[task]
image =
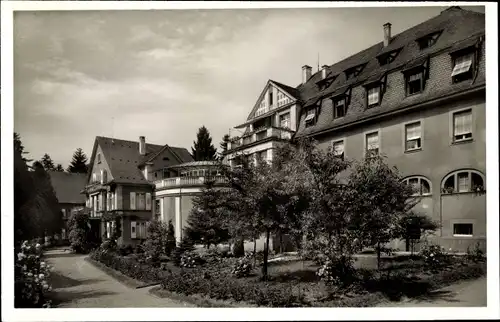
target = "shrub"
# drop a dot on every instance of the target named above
(31, 275)
(190, 260)
(475, 255)
(434, 257)
(125, 250)
(127, 266)
(108, 245)
(79, 232)
(338, 271)
(186, 246)
(243, 267)
(156, 242)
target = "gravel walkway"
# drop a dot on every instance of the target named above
(78, 284)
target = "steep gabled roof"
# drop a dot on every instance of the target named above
(455, 23)
(293, 92)
(124, 160)
(457, 27)
(67, 186)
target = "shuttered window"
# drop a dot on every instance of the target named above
(132, 201)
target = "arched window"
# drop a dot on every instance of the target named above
(463, 181)
(421, 185)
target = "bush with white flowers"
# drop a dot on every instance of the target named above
(31, 277)
(243, 267)
(434, 256)
(190, 260)
(337, 271)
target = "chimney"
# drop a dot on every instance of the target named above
(323, 71)
(306, 73)
(142, 145)
(387, 34)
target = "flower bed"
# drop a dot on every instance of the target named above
(31, 274)
(128, 266)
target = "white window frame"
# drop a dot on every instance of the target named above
(369, 90)
(405, 134)
(452, 126)
(288, 120)
(462, 235)
(342, 140)
(456, 187)
(408, 80)
(365, 141)
(419, 183)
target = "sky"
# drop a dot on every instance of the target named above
(163, 74)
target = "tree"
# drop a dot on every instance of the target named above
(261, 199)
(79, 231)
(204, 223)
(203, 149)
(379, 200)
(18, 146)
(59, 168)
(224, 144)
(327, 221)
(78, 163)
(412, 227)
(157, 240)
(36, 209)
(47, 163)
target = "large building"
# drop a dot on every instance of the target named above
(120, 185)
(418, 98)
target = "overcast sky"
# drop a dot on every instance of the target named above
(163, 74)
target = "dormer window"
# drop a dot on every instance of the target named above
(339, 108)
(354, 71)
(310, 116)
(428, 40)
(389, 57)
(414, 83)
(462, 67)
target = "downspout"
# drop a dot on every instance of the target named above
(477, 54)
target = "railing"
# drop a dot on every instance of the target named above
(186, 181)
(258, 135)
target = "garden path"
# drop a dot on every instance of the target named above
(78, 284)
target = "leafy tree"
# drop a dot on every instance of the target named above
(78, 163)
(157, 240)
(203, 149)
(204, 223)
(79, 231)
(327, 221)
(59, 168)
(47, 163)
(18, 146)
(379, 200)
(412, 226)
(52, 215)
(261, 199)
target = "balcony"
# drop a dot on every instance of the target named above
(179, 182)
(261, 134)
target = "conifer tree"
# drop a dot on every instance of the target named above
(79, 162)
(47, 163)
(18, 146)
(203, 149)
(59, 168)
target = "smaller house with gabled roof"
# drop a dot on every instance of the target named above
(120, 186)
(67, 187)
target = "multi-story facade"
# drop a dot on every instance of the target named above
(417, 98)
(67, 187)
(273, 120)
(120, 185)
